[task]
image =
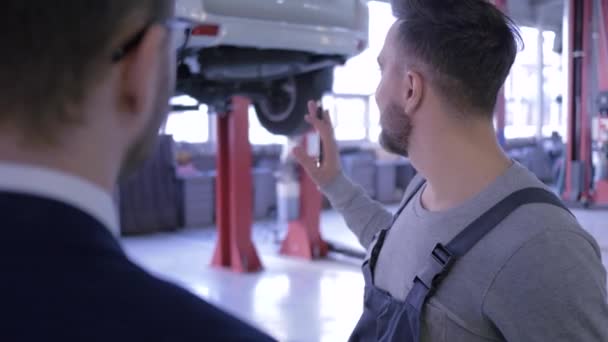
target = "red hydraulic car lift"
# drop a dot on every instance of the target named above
(580, 188)
(303, 238)
(235, 249)
(600, 194)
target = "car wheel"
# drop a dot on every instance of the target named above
(282, 111)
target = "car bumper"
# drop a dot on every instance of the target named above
(260, 34)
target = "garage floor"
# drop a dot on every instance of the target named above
(291, 299)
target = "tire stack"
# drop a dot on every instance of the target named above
(150, 199)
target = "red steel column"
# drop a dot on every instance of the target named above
(601, 187)
(234, 190)
(586, 115)
(579, 152)
(304, 234)
(570, 193)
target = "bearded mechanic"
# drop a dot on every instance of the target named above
(480, 250)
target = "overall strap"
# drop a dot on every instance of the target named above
(443, 257)
(420, 181)
(469, 237)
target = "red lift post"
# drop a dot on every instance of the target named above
(578, 168)
(303, 238)
(235, 249)
(573, 186)
(600, 195)
(580, 187)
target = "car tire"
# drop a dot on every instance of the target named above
(282, 112)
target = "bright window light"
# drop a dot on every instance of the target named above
(374, 122)
(183, 100)
(361, 74)
(189, 127)
(350, 119)
(258, 135)
(521, 89)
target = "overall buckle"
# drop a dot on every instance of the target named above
(437, 267)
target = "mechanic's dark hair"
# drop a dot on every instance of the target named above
(54, 51)
(467, 46)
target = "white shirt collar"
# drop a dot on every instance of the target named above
(62, 187)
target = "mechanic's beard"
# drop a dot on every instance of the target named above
(396, 130)
(140, 150)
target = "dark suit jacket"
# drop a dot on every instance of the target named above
(65, 278)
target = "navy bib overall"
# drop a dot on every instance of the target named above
(387, 319)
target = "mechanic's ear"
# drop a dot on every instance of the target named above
(413, 91)
(140, 74)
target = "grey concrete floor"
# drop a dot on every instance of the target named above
(291, 299)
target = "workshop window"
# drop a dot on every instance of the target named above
(358, 117)
(374, 121)
(361, 74)
(521, 89)
(258, 135)
(190, 126)
(349, 115)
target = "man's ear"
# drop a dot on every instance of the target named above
(414, 91)
(140, 72)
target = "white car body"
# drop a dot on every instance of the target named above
(331, 27)
(279, 53)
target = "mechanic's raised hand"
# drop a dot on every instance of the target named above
(330, 168)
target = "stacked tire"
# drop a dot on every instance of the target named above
(150, 200)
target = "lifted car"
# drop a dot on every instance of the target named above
(279, 53)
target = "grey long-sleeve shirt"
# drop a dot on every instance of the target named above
(537, 276)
